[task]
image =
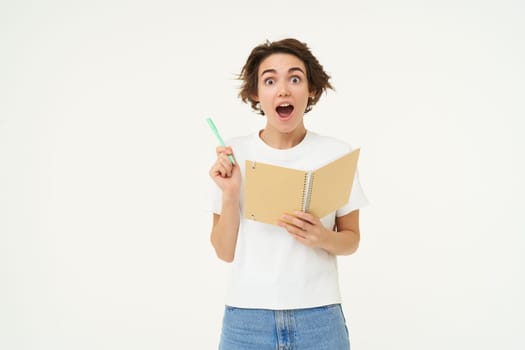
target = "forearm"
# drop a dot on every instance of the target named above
(225, 230)
(343, 242)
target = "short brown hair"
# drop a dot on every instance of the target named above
(318, 80)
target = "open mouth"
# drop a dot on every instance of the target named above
(284, 110)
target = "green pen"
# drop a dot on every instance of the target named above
(216, 132)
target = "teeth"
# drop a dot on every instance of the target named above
(284, 105)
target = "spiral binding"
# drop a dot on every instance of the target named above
(307, 191)
(254, 164)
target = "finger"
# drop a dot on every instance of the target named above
(224, 149)
(312, 219)
(217, 170)
(294, 230)
(300, 224)
(221, 168)
(213, 169)
(220, 149)
(229, 153)
(297, 222)
(301, 239)
(224, 152)
(225, 162)
(225, 157)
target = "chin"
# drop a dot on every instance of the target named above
(287, 129)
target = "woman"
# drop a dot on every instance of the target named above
(284, 292)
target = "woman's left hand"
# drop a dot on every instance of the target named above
(306, 228)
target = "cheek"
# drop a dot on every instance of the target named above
(264, 97)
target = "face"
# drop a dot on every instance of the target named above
(282, 91)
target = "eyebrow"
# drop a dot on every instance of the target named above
(293, 69)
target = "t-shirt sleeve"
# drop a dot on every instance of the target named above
(357, 199)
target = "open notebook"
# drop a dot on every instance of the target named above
(271, 191)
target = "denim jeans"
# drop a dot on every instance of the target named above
(319, 328)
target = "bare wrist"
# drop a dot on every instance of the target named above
(326, 243)
(228, 197)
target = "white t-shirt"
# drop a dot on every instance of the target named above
(271, 270)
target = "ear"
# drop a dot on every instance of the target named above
(255, 98)
(312, 94)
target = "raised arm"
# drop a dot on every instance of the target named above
(226, 225)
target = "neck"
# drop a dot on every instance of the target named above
(279, 140)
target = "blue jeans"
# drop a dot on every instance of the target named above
(319, 328)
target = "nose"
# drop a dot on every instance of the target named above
(283, 91)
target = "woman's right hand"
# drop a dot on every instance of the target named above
(225, 174)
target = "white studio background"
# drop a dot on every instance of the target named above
(104, 153)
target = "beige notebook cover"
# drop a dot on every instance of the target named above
(271, 191)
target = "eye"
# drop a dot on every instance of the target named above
(269, 81)
(295, 80)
